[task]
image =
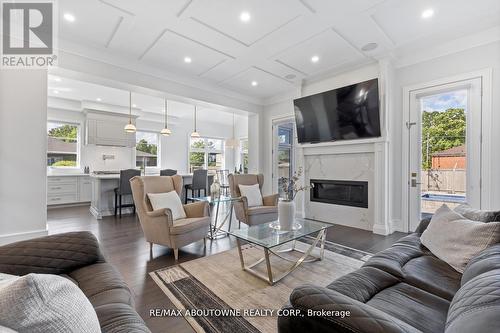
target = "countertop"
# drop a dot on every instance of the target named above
(67, 174)
(117, 176)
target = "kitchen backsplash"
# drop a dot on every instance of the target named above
(107, 158)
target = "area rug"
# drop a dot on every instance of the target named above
(215, 295)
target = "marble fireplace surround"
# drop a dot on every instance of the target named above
(364, 160)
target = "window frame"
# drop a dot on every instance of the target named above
(206, 151)
(158, 149)
(78, 143)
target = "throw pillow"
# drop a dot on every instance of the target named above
(252, 193)
(168, 200)
(477, 214)
(455, 239)
(46, 303)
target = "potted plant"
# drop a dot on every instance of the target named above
(286, 206)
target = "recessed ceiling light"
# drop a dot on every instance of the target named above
(369, 47)
(57, 79)
(56, 91)
(254, 83)
(315, 58)
(69, 17)
(98, 99)
(187, 60)
(245, 16)
(428, 13)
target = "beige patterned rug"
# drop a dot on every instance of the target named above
(218, 285)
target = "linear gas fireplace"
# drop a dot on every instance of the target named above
(340, 192)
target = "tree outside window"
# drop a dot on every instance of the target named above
(206, 153)
(146, 149)
(62, 145)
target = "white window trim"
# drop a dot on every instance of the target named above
(78, 144)
(206, 151)
(158, 150)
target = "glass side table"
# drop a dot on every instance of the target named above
(215, 228)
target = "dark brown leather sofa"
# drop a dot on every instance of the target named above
(404, 289)
(77, 256)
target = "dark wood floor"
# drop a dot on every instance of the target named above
(123, 244)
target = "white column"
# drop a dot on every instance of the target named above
(23, 154)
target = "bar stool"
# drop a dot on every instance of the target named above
(200, 179)
(223, 177)
(124, 189)
(168, 172)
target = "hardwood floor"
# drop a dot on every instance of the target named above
(124, 246)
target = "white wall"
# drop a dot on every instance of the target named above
(474, 59)
(23, 146)
(173, 149)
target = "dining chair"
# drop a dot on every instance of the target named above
(199, 182)
(223, 177)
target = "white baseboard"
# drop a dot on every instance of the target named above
(11, 238)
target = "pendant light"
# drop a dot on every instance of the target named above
(195, 134)
(130, 128)
(232, 143)
(166, 131)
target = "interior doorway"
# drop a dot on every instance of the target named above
(444, 148)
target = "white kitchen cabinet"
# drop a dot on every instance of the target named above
(106, 129)
(84, 189)
(67, 189)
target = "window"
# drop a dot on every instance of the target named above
(146, 149)
(206, 153)
(244, 155)
(63, 145)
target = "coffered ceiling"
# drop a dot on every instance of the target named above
(261, 48)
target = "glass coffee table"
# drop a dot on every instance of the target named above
(215, 228)
(268, 237)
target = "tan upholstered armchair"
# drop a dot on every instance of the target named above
(158, 225)
(253, 215)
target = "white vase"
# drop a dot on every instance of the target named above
(286, 214)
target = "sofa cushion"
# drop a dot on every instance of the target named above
(262, 210)
(120, 318)
(485, 261)
(46, 303)
(476, 306)
(102, 284)
(187, 225)
(455, 240)
(477, 214)
(413, 264)
(418, 308)
(55, 254)
(364, 283)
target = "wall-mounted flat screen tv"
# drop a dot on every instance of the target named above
(346, 113)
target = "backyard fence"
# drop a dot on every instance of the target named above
(443, 180)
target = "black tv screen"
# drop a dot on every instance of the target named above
(345, 113)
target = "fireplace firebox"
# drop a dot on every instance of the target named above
(340, 192)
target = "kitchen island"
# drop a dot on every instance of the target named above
(103, 196)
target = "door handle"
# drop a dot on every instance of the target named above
(414, 183)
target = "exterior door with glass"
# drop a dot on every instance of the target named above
(444, 148)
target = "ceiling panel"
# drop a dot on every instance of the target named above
(402, 20)
(265, 17)
(267, 83)
(95, 22)
(331, 49)
(170, 50)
